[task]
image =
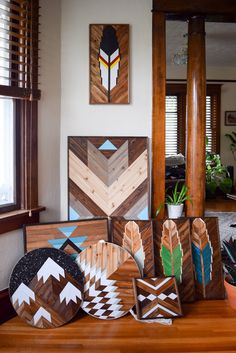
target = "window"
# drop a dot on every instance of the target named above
(176, 118)
(18, 104)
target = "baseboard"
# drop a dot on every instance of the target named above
(7, 311)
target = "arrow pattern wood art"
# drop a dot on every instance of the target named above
(157, 298)
(173, 255)
(137, 238)
(108, 176)
(207, 258)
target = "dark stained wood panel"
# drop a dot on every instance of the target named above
(173, 255)
(137, 238)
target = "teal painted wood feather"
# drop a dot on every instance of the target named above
(171, 251)
(202, 253)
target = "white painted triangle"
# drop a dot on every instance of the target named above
(41, 313)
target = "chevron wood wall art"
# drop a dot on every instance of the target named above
(137, 238)
(173, 255)
(207, 258)
(109, 63)
(46, 288)
(108, 270)
(157, 298)
(108, 176)
(72, 237)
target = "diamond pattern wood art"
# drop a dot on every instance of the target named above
(109, 63)
(108, 270)
(108, 176)
(157, 298)
(72, 237)
(207, 258)
(46, 288)
(173, 255)
(137, 238)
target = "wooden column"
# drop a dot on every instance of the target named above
(158, 114)
(196, 116)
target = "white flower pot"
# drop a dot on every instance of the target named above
(175, 211)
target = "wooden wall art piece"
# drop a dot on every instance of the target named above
(173, 255)
(108, 176)
(157, 298)
(46, 288)
(108, 270)
(109, 63)
(72, 237)
(137, 238)
(207, 258)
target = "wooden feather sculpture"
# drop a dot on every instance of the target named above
(132, 242)
(109, 59)
(202, 253)
(171, 251)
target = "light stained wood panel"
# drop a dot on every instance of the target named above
(72, 237)
(173, 255)
(137, 238)
(109, 63)
(108, 176)
(108, 270)
(207, 258)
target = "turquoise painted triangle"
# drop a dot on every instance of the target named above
(143, 215)
(108, 146)
(57, 243)
(78, 241)
(67, 231)
(73, 215)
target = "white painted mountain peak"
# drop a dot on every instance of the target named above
(70, 292)
(23, 294)
(41, 313)
(50, 268)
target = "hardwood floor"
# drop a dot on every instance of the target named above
(207, 326)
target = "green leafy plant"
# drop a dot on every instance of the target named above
(177, 197)
(229, 259)
(217, 175)
(232, 139)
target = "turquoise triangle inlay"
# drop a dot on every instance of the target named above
(143, 215)
(56, 243)
(108, 146)
(67, 231)
(73, 215)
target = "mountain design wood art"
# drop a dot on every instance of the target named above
(207, 258)
(46, 288)
(109, 63)
(72, 237)
(157, 298)
(137, 238)
(108, 270)
(108, 176)
(173, 255)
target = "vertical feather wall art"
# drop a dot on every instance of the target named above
(173, 256)
(109, 63)
(207, 258)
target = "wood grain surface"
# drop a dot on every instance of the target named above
(120, 93)
(81, 233)
(171, 232)
(207, 326)
(108, 270)
(108, 176)
(137, 238)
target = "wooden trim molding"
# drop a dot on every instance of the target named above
(7, 311)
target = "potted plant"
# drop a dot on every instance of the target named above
(229, 266)
(175, 201)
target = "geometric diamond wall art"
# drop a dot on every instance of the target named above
(173, 255)
(72, 237)
(46, 288)
(108, 176)
(109, 63)
(136, 237)
(157, 298)
(207, 258)
(108, 270)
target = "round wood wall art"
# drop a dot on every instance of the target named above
(108, 270)
(46, 288)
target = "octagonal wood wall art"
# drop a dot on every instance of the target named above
(108, 270)
(109, 63)
(108, 176)
(46, 288)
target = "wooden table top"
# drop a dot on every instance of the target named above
(208, 326)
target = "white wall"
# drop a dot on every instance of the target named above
(77, 116)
